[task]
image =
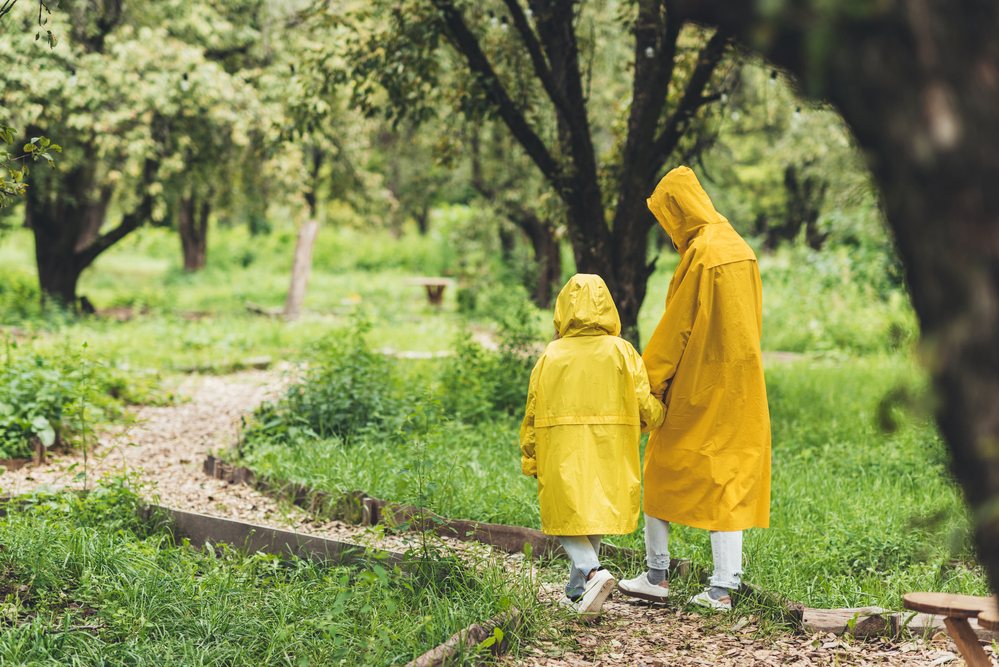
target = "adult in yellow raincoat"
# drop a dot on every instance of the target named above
(708, 465)
(587, 406)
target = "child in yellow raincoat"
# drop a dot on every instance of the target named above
(588, 404)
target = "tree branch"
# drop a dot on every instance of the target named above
(541, 68)
(556, 24)
(468, 45)
(693, 98)
(128, 223)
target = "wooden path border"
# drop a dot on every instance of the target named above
(359, 508)
(203, 530)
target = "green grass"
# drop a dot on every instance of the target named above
(858, 516)
(69, 562)
(813, 302)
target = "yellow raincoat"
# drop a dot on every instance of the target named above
(587, 406)
(708, 465)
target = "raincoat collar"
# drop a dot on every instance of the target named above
(585, 308)
(682, 207)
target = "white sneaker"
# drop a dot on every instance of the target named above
(715, 598)
(640, 588)
(596, 591)
(567, 603)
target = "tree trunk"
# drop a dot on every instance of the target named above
(92, 218)
(60, 209)
(918, 83)
(804, 205)
(58, 214)
(423, 220)
(547, 254)
(192, 223)
(300, 270)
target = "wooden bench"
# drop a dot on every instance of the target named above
(956, 610)
(434, 286)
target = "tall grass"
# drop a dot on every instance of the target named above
(86, 583)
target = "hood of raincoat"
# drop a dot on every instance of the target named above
(682, 206)
(585, 308)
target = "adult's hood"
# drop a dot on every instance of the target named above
(682, 206)
(585, 308)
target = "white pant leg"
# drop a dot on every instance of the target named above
(726, 548)
(656, 543)
(583, 551)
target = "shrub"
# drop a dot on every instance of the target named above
(346, 390)
(477, 383)
(39, 395)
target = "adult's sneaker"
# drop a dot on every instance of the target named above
(640, 588)
(715, 598)
(595, 592)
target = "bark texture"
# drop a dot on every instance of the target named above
(918, 83)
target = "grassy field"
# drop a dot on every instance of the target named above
(86, 583)
(859, 515)
(820, 303)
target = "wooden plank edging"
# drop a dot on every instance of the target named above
(358, 507)
(202, 529)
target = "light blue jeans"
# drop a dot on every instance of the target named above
(584, 551)
(726, 549)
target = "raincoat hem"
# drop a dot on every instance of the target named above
(707, 525)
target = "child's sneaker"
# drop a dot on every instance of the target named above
(596, 591)
(568, 603)
(640, 588)
(715, 598)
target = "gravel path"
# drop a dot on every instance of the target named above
(166, 448)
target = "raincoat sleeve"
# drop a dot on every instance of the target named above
(666, 346)
(650, 408)
(528, 460)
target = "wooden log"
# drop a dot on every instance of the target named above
(870, 621)
(927, 625)
(465, 640)
(300, 270)
(14, 464)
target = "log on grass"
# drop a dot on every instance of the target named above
(866, 621)
(470, 637)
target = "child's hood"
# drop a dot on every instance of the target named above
(585, 308)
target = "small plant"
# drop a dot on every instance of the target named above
(38, 394)
(479, 384)
(346, 390)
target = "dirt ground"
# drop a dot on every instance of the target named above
(166, 448)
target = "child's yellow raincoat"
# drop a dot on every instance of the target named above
(588, 404)
(708, 465)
